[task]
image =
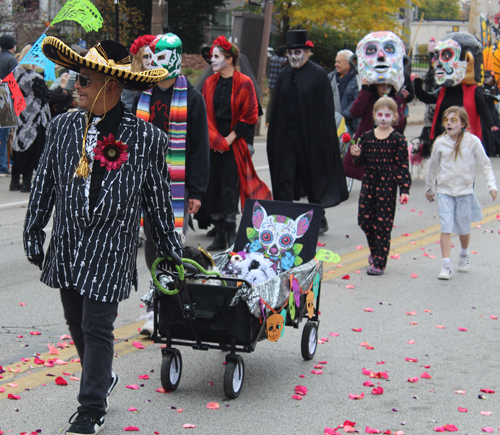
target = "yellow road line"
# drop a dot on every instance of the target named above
(350, 262)
(358, 259)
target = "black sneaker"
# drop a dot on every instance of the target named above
(85, 423)
(115, 380)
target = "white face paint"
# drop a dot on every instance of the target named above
(296, 57)
(146, 59)
(384, 117)
(453, 125)
(218, 60)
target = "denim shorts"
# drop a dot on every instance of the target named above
(456, 213)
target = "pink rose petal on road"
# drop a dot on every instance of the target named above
(356, 396)
(440, 327)
(138, 345)
(368, 384)
(2, 390)
(426, 375)
(485, 413)
(318, 366)
(143, 376)
(61, 381)
(131, 429)
(462, 329)
(487, 429)
(396, 257)
(213, 405)
(322, 362)
(366, 372)
(413, 380)
(357, 329)
(414, 275)
(330, 431)
(411, 342)
(13, 397)
(162, 390)
(346, 277)
(180, 410)
(377, 391)
(460, 392)
(411, 359)
(357, 271)
(473, 252)
(349, 429)
(369, 310)
(462, 409)
(12, 385)
(65, 337)
(296, 397)
(132, 409)
(349, 286)
(317, 372)
(413, 323)
(35, 333)
(493, 317)
(371, 430)
(189, 426)
(450, 428)
(132, 386)
(334, 334)
(439, 429)
(358, 248)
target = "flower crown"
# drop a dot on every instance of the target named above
(140, 42)
(222, 42)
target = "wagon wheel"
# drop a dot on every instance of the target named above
(171, 370)
(233, 377)
(309, 340)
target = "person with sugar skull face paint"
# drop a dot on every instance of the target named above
(384, 154)
(177, 108)
(232, 110)
(457, 68)
(302, 143)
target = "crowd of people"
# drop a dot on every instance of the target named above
(143, 141)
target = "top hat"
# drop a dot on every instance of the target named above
(107, 57)
(296, 39)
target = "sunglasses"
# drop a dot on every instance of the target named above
(452, 120)
(84, 81)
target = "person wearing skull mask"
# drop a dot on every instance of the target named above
(457, 70)
(302, 143)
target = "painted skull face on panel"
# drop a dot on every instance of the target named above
(167, 53)
(380, 57)
(448, 68)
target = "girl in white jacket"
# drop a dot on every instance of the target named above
(452, 170)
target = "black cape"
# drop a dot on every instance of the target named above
(317, 113)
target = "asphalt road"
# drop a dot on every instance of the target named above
(403, 323)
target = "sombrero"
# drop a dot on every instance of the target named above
(107, 57)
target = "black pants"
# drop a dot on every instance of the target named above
(294, 165)
(91, 327)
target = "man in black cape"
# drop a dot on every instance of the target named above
(302, 143)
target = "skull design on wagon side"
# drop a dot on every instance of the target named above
(310, 304)
(380, 58)
(274, 326)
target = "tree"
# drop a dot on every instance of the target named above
(21, 18)
(440, 9)
(351, 17)
(186, 19)
(130, 21)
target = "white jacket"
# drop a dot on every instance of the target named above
(456, 177)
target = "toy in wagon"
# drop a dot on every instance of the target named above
(270, 279)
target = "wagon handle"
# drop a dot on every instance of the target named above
(180, 269)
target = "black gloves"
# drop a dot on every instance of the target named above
(37, 260)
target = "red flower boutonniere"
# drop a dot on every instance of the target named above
(112, 154)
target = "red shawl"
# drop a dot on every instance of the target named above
(244, 108)
(469, 104)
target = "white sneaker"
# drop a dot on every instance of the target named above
(463, 263)
(149, 326)
(445, 274)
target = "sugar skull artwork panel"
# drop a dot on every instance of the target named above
(380, 59)
(277, 236)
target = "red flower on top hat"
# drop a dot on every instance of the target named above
(112, 154)
(309, 44)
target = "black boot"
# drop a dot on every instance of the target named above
(211, 233)
(25, 187)
(14, 184)
(231, 233)
(220, 240)
(324, 226)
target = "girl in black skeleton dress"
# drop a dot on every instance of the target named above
(384, 154)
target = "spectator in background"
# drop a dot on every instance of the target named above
(491, 139)
(29, 135)
(345, 88)
(7, 64)
(276, 64)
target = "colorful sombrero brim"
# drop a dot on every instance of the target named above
(61, 54)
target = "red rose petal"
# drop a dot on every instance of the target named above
(61, 381)
(377, 391)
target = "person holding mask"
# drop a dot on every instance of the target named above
(232, 111)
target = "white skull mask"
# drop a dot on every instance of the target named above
(380, 57)
(448, 68)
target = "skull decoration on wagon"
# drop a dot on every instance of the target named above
(310, 304)
(274, 326)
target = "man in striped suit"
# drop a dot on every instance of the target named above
(96, 185)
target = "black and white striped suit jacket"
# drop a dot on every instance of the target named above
(97, 255)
